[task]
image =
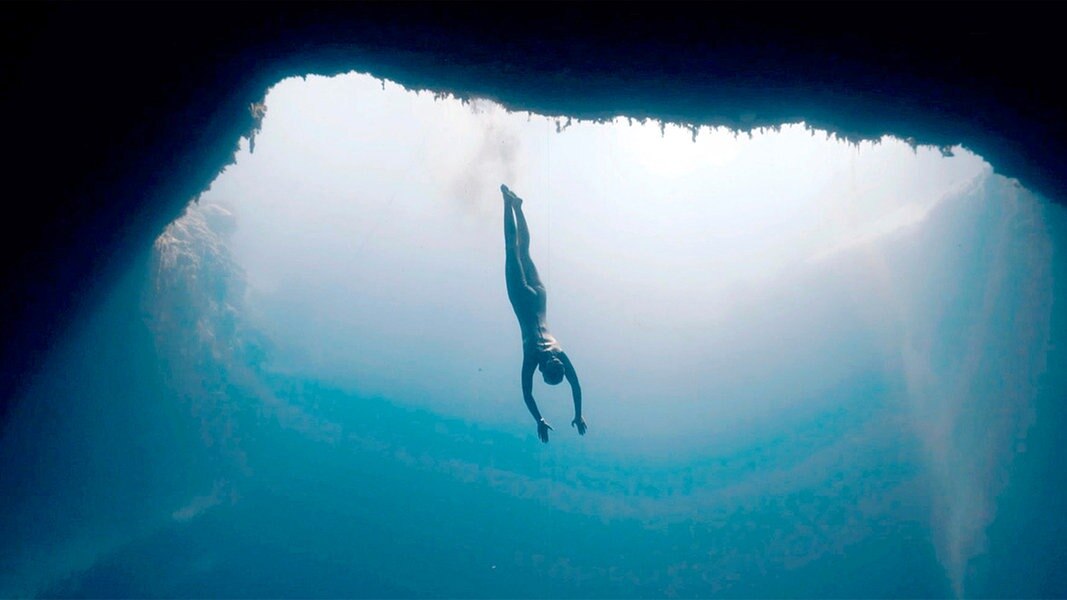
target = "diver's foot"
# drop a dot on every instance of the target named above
(509, 196)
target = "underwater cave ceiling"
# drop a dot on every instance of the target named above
(118, 114)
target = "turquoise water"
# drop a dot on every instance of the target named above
(881, 422)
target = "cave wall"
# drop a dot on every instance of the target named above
(118, 114)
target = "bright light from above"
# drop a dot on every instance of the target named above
(363, 198)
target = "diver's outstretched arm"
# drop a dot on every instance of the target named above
(576, 391)
(529, 365)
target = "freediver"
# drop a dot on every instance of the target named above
(527, 294)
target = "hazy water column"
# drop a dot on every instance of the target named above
(644, 219)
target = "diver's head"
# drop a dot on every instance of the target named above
(552, 369)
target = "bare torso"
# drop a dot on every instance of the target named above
(530, 305)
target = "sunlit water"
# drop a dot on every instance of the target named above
(811, 368)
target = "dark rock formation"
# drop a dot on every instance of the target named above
(117, 114)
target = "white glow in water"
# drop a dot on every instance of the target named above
(361, 203)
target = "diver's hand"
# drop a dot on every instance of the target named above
(579, 423)
(542, 430)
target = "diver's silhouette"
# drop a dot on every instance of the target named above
(527, 295)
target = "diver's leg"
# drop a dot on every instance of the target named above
(513, 274)
(509, 226)
(523, 244)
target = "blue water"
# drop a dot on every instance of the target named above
(413, 505)
(163, 451)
